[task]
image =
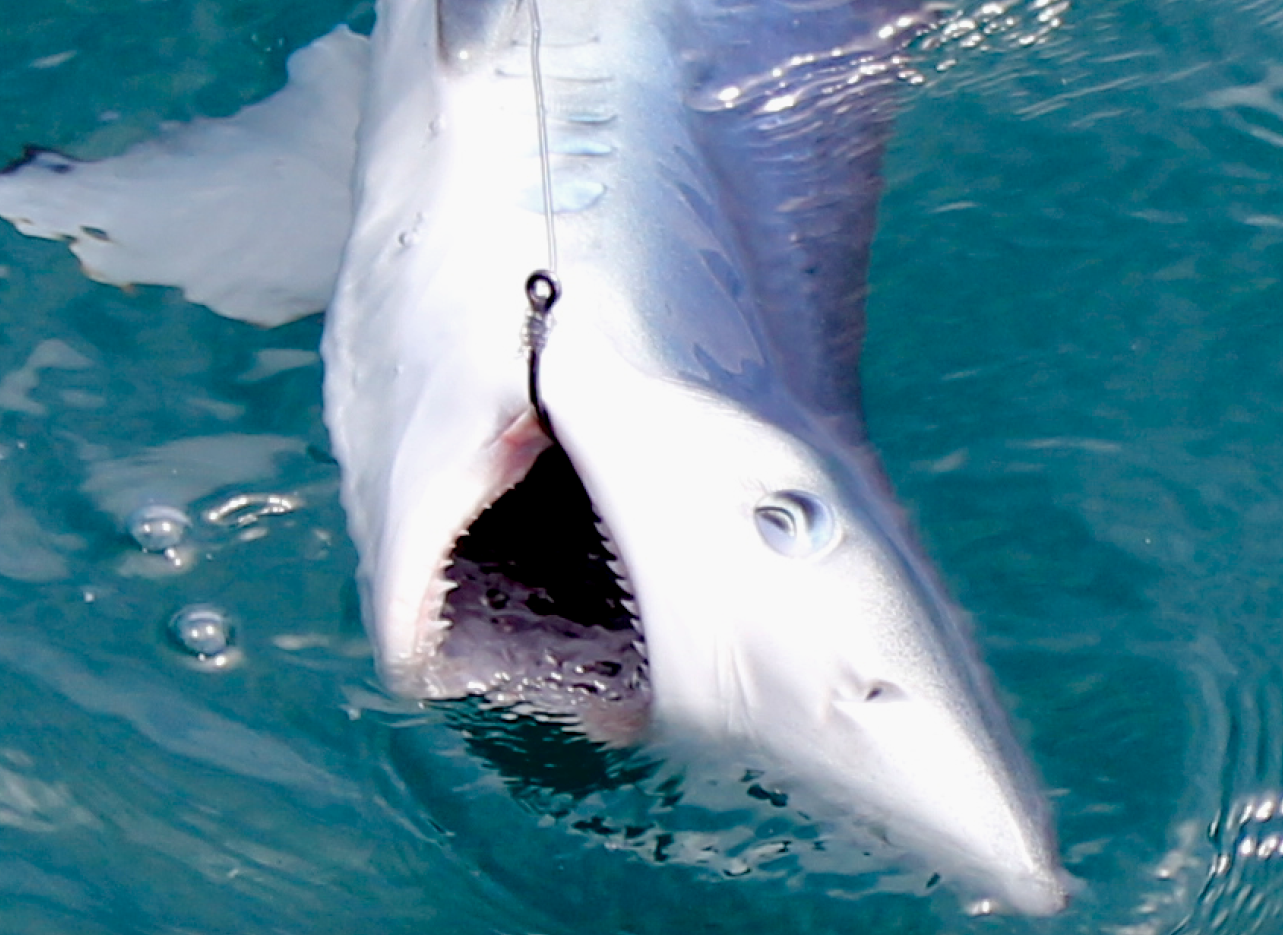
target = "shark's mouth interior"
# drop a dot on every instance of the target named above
(539, 618)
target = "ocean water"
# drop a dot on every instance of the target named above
(1074, 369)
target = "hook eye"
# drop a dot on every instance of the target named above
(793, 523)
(542, 291)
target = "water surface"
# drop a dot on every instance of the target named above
(1074, 369)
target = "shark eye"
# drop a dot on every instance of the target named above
(793, 523)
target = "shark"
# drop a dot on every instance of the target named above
(622, 245)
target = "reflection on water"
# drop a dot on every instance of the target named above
(1072, 367)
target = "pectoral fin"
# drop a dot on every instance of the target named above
(247, 214)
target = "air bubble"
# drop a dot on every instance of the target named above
(157, 527)
(204, 632)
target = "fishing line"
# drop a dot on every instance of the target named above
(542, 287)
(541, 119)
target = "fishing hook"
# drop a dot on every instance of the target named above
(542, 292)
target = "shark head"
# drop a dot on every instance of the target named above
(787, 608)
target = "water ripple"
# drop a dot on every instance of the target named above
(1243, 888)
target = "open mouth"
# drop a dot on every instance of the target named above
(540, 618)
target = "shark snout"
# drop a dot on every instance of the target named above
(930, 758)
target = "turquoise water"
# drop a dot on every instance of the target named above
(1073, 370)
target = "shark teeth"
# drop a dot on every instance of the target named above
(514, 584)
(619, 569)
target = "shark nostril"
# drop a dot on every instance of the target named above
(882, 691)
(794, 523)
(856, 692)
